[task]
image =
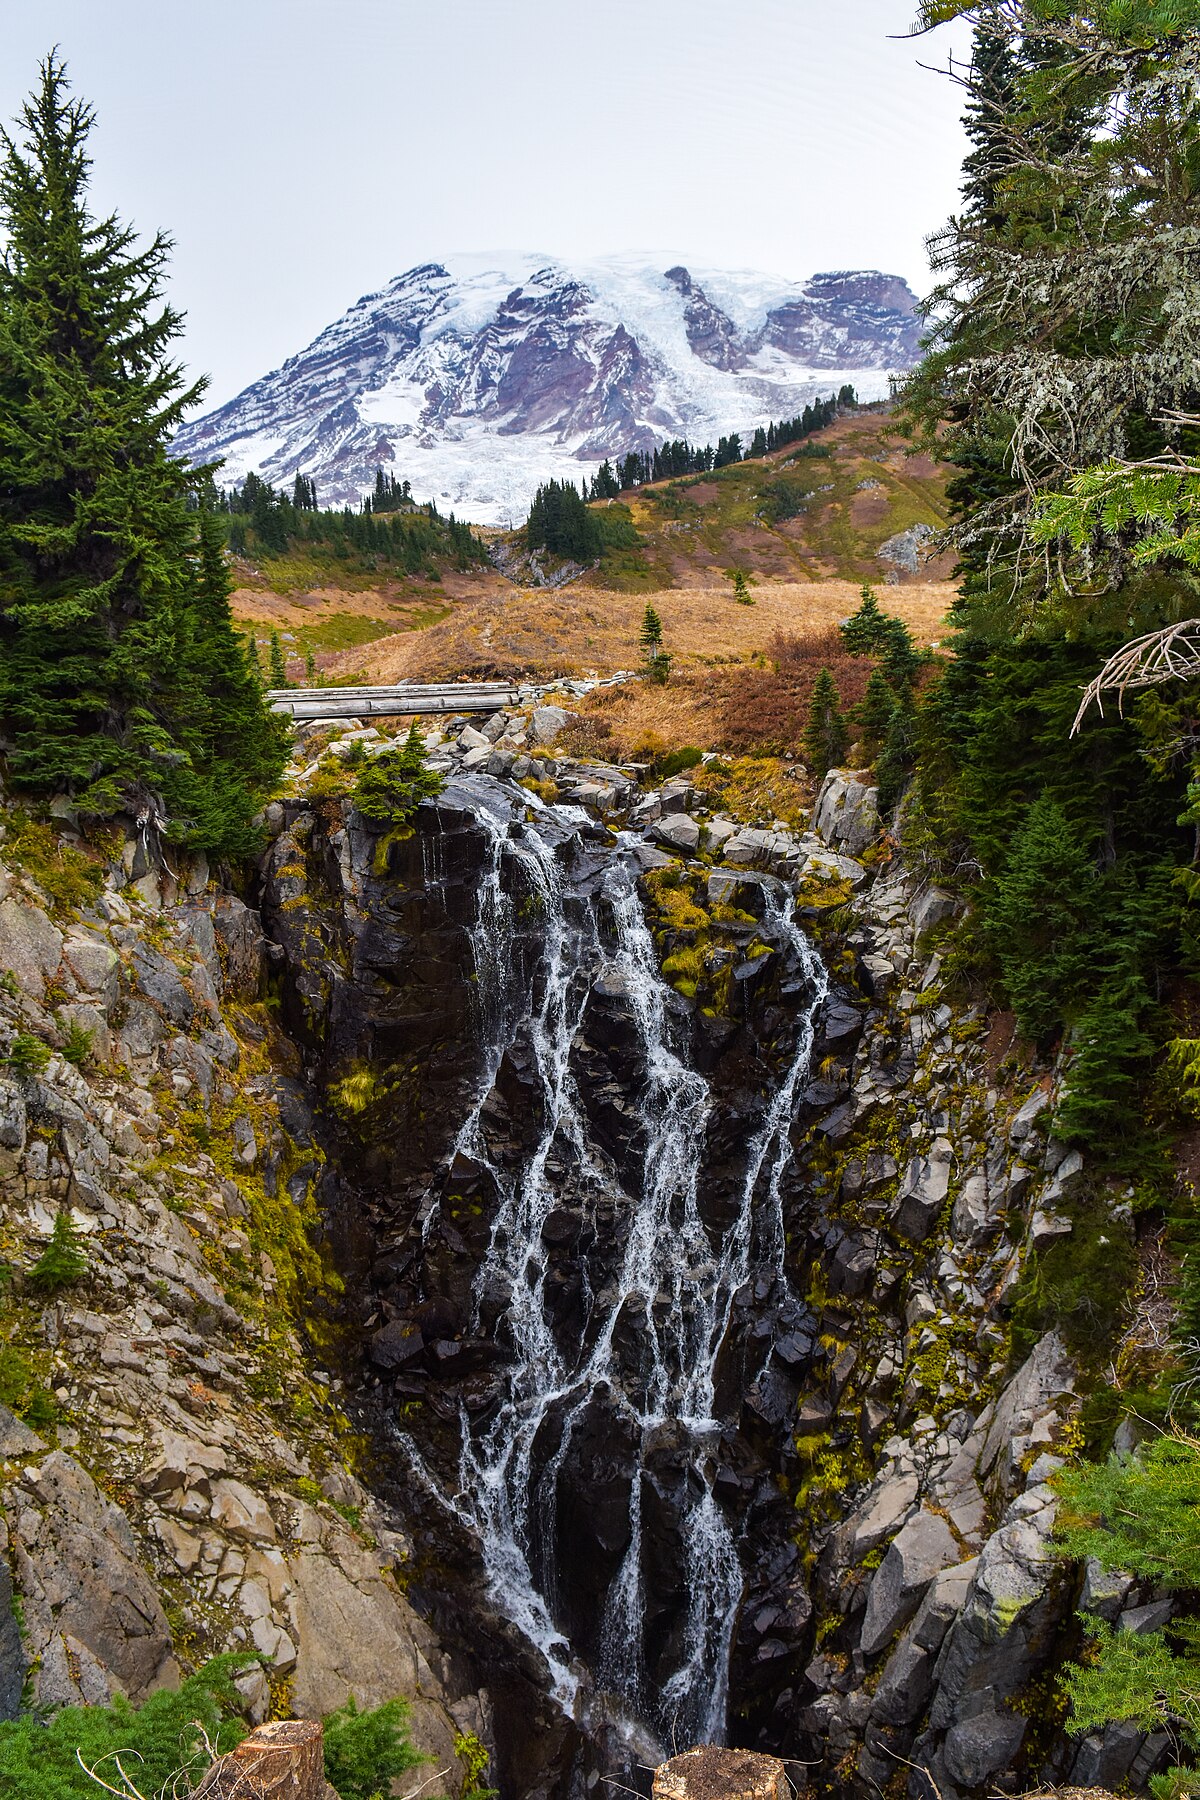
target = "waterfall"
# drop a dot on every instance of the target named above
(672, 1296)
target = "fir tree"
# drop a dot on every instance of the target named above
(63, 1261)
(1043, 919)
(865, 631)
(741, 589)
(825, 733)
(393, 784)
(278, 665)
(110, 624)
(896, 758)
(874, 712)
(650, 640)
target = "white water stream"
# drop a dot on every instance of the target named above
(674, 1293)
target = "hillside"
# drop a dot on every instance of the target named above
(479, 376)
(804, 572)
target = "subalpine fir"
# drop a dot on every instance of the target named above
(122, 683)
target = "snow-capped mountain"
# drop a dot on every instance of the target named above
(478, 377)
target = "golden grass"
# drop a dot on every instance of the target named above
(580, 630)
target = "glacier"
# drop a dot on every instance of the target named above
(479, 376)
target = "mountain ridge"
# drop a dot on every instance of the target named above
(476, 377)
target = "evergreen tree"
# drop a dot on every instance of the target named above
(1044, 919)
(865, 631)
(279, 677)
(650, 639)
(63, 1261)
(825, 733)
(874, 711)
(897, 756)
(393, 784)
(110, 624)
(741, 588)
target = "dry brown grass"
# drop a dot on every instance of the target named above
(578, 630)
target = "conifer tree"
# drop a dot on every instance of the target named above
(650, 639)
(113, 628)
(864, 632)
(741, 589)
(1043, 919)
(874, 711)
(393, 784)
(278, 663)
(825, 733)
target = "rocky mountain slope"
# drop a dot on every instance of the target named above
(476, 378)
(303, 1148)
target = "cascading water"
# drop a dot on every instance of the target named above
(646, 1356)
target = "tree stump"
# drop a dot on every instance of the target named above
(711, 1773)
(284, 1760)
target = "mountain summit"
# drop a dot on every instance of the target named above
(478, 377)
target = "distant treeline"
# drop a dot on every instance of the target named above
(388, 528)
(677, 457)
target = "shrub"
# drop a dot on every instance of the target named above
(63, 1261)
(77, 1048)
(167, 1737)
(391, 788)
(676, 761)
(1140, 1513)
(364, 1751)
(28, 1055)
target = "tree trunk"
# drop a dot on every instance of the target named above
(280, 1761)
(711, 1773)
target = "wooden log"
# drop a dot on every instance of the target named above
(284, 1760)
(712, 1773)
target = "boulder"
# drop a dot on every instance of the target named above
(545, 723)
(94, 964)
(30, 946)
(930, 909)
(919, 1551)
(12, 1117)
(846, 813)
(882, 1514)
(922, 1192)
(981, 1746)
(679, 831)
(94, 1623)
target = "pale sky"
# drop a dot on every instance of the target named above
(302, 152)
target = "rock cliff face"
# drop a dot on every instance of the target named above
(874, 1457)
(619, 1182)
(178, 1487)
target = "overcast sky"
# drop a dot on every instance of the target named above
(301, 152)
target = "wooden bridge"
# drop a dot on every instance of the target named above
(393, 702)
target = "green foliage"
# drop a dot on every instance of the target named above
(559, 521)
(474, 1759)
(650, 639)
(393, 785)
(676, 761)
(1077, 1284)
(895, 761)
(1138, 1677)
(22, 1390)
(874, 712)
(1042, 918)
(825, 733)
(40, 1759)
(27, 1055)
(122, 682)
(364, 1751)
(864, 633)
(77, 1046)
(277, 663)
(1137, 1512)
(741, 590)
(67, 877)
(63, 1261)
(1110, 1054)
(1140, 1513)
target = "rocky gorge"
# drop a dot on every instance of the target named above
(558, 1264)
